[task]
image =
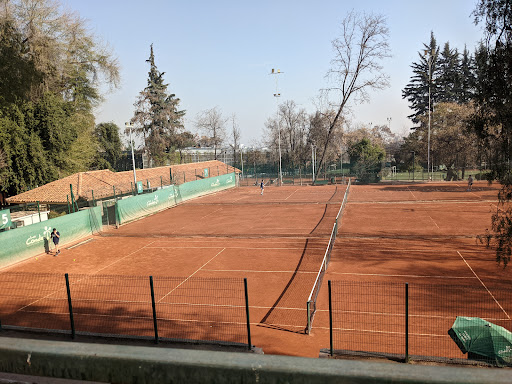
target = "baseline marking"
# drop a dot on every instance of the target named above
(184, 281)
(499, 305)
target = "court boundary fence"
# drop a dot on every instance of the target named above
(405, 322)
(311, 303)
(216, 309)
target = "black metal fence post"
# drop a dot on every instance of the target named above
(70, 306)
(155, 325)
(249, 343)
(406, 322)
(330, 319)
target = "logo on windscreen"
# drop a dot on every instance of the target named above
(152, 202)
(38, 238)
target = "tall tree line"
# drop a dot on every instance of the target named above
(50, 71)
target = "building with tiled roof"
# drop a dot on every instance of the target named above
(103, 182)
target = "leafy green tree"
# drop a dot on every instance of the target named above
(157, 116)
(18, 73)
(26, 164)
(366, 159)
(109, 141)
(184, 140)
(493, 116)
(51, 69)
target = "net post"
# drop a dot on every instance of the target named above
(72, 197)
(69, 207)
(184, 177)
(93, 199)
(161, 182)
(39, 211)
(406, 322)
(308, 305)
(155, 324)
(249, 343)
(330, 319)
(114, 189)
(70, 306)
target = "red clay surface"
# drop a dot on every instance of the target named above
(390, 234)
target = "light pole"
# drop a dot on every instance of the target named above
(242, 158)
(430, 60)
(413, 164)
(277, 95)
(127, 125)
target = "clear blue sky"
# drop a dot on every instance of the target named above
(219, 53)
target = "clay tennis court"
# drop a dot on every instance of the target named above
(390, 234)
(425, 235)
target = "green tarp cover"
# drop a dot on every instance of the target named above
(21, 243)
(478, 336)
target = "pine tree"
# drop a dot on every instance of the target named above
(157, 116)
(449, 83)
(467, 77)
(417, 91)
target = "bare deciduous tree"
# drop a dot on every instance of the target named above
(235, 136)
(356, 67)
(213, 124)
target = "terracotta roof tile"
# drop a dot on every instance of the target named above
(102, 182)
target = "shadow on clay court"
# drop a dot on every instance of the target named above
(272, 318)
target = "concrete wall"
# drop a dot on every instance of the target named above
(131, 364)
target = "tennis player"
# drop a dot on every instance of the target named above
(262, 186)
(470, 183)
(56, 237)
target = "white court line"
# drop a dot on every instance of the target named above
(85, 277)
(179, 229)
(434, 222)
(122, 258)
(251, 248)
(412, 193)
(499, 305)
(291, 194)
(184, 281)
(255, 271)
(385, 275)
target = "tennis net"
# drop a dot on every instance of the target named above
(311, 303)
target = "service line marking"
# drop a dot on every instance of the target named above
(291, 194)
(211, 213)
(257, 271)
(434, 222)
(251, 248)
(389, 275)
(487, 289)
(184, 281)
(412, 193)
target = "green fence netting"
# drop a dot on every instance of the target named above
(21, 243)
(134, 207)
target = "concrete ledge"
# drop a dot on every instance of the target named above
(129, 364)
